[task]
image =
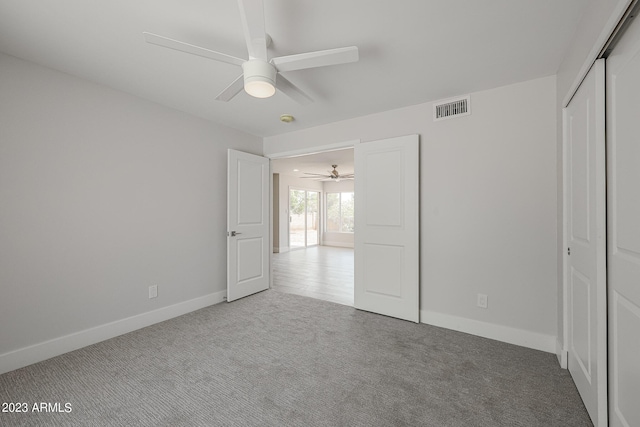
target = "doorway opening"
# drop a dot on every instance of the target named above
(313, 225)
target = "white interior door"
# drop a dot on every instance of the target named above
(584, 120)
(387, 229)
(623, 217)
(247, 224)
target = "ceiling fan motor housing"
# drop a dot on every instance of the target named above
(259, 78)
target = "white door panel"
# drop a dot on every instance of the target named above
(247, 224)
(584, 120)
(623, 220)
(387, 230)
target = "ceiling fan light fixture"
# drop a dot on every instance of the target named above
(259, 78)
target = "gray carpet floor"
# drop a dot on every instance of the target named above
(274, 359)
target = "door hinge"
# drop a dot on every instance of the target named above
(568, 251)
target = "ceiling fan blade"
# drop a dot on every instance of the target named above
(252, 14)
(292, 91)
(232, 90)
(189, 48)
(319, 58)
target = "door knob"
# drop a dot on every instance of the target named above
(234, 233)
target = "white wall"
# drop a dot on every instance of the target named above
(286, 182)
(345, 240)
(103, 194)
(594, 29)
(488, 207)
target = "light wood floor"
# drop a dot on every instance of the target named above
(321, 272)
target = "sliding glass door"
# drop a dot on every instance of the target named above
(304, 227)
(312, 218)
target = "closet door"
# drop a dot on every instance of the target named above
(623, 223)
(584, 120)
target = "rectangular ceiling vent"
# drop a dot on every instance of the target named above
(450, 108)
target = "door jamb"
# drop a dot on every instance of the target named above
(562, 349)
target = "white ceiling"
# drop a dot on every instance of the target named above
(411, 51)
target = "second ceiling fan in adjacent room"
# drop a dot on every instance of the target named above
(333, 175)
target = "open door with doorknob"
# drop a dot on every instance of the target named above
(387, 258)
(247, 224)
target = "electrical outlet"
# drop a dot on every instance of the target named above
(153, 291)
(483, 300)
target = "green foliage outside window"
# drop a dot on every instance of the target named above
(296, 202)
(340, 212)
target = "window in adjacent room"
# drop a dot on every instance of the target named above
(339, 215)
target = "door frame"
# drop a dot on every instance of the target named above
(295, 153)
(563, 353)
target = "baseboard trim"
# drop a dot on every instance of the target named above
(521, 337)
(45, 350)
(562, 354)
(280, 250)
(338, 244)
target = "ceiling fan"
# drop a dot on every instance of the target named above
(334, 175)
(259, 73)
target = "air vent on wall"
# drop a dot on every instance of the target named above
(450, 108)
